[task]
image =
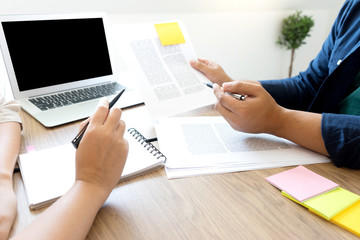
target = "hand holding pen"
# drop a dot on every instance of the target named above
(234, 95)
(76, 141)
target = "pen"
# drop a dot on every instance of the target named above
(234, 95)
(76, 141)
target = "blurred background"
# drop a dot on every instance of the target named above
(238, 34)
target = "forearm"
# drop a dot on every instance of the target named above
(9, 147)
(303, 128)
(9, 150)
(70, 217)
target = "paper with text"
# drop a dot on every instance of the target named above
(208, 145)
(168, 84)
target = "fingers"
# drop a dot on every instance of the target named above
(121, 128)
(243, 87)
(102, 116)
(83, 123)
(204, 61)
(101, 112)
(113, 118)
(201, 65)
(224, 100)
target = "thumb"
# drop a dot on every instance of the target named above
(242, 87)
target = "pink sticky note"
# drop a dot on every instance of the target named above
(301, 183)
(30, 148)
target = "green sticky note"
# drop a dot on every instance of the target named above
(169, 33)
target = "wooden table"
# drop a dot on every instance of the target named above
(238, 205)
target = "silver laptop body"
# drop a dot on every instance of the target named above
(59, 65)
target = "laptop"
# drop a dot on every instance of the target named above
(59, 65)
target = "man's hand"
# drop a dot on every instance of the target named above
(213, 71)
(258, 113)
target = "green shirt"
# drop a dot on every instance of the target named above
(351, 104)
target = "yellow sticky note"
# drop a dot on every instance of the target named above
(169, 33)
(349, 219)
(331, 203)
(291, 198)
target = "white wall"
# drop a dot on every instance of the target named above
(159, 6)
(238, 34)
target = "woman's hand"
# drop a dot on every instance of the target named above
(102, 153)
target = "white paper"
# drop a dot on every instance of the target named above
(208, 145)
(48, 174)
(167, 82)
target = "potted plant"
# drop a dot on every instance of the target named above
(295, 28)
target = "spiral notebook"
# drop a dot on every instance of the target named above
(48, 174)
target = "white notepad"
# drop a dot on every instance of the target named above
(48, 174)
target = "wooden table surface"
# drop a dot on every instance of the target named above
(238, 205)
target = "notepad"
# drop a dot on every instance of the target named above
(301, 183)
(169, 33)
(329, 204)
(48, 174)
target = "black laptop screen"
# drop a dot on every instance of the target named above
(50, 52)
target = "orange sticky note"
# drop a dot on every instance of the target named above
(169, 33)
(349, 219)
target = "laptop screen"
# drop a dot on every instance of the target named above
(50, 52)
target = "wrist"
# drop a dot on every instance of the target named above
(283, 116)
(96, 192)
(5, 178)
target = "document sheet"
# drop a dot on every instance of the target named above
(167, 82)
(208, 145)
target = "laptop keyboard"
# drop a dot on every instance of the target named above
(75, 96)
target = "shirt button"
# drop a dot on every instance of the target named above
(338, 62)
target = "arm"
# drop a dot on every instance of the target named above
(299, 91)
(100, 160)
(9, 149)
(259, 113)
(341, 134)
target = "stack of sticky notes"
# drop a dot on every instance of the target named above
(321, 196)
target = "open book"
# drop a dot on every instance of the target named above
(48, 174)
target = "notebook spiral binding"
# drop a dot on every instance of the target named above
(149, 146)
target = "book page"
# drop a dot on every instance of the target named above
(169, 85)
(208, 145)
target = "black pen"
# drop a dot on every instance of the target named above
(76, 141)
(234, 95)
